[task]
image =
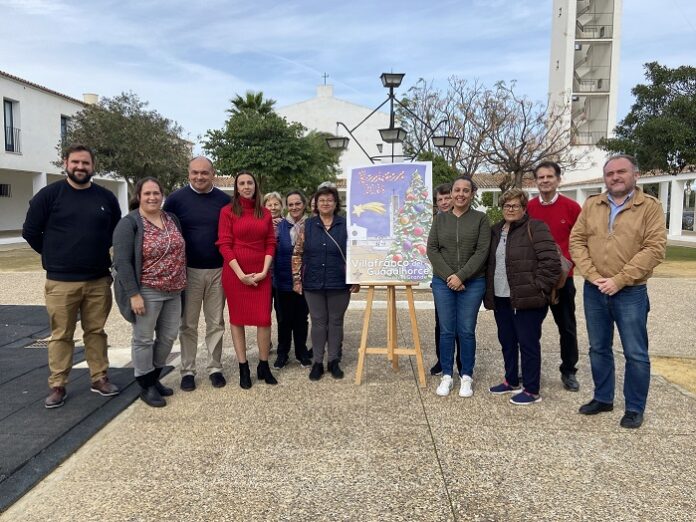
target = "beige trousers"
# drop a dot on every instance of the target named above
(64, 299)
(203, 290)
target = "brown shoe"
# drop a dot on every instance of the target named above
(104, 388)
(57, 397)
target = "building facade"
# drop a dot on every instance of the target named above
(322, 113)
(35, 121)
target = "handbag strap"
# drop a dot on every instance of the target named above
(335, 243)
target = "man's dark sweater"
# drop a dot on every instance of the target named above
(198, 214)
(72, 230)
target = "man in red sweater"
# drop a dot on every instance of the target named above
(560, 214)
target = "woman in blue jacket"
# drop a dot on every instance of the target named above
(319, 270)
(291, 308)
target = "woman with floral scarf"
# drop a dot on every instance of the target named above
(291, 309)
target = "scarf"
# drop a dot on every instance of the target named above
(296, 225)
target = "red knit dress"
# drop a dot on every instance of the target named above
(248, 240)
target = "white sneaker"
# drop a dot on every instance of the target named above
(466, 388)
(445, 387)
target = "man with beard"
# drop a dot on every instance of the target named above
(70, 223)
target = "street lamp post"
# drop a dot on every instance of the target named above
(391, 134)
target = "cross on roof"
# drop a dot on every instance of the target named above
(325, 76)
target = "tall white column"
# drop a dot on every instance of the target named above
(38, 181)
(580, 196)
(664, 195)
(122, 196)
(676, 208)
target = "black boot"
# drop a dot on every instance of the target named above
(335, 369)
(244, 375)
(163, 390)
(263, 372)
(149, 394)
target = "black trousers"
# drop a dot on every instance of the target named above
(291, 314)
(519, 333)
(564, 315)
(437, 345)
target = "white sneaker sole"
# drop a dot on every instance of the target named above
(444, 392)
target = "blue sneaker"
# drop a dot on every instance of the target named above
(524, 398)
(503, 388)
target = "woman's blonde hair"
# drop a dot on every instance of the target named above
(274, 195)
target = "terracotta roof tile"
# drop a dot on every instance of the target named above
(41, 87)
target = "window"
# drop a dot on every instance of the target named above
(11, 122)
(64, 123)
(5, 190)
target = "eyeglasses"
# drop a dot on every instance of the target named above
(512, 208)
(325, 202)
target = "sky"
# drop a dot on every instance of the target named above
(188, 59)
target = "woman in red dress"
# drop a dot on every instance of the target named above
(247, 243)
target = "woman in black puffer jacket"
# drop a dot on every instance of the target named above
(523, 267)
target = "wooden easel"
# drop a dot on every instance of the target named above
(391, 350)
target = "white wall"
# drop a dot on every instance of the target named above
(13, 209)
(322, 112)
(39, 122)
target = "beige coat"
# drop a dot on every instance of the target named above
(629, 252)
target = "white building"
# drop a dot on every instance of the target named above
(584, 73)
(322, 113)
(34, 120)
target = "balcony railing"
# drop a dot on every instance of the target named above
(586, 138)
(584, 85)
(593, 31)
(12, 139)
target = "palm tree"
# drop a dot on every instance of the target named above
(251, 102)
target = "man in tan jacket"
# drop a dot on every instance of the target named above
(618, 239)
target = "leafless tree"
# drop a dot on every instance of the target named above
(522, 133)
(459, 112)
(499, 131)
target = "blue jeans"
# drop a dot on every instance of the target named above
(457, 313)
(629, 310)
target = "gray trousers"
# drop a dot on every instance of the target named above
(327, 308)
(155, 332)
(203, 290)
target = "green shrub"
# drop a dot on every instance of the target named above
(495, 214)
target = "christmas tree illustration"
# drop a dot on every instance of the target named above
(411, 223)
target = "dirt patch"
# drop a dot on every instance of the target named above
(20, 260)
(686, 269)
(676, 370)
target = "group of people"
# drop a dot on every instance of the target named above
(196, 248)
(515, 268)
(177, 256)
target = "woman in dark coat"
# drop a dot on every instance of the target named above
(319, 270)
(523, 268)
(291, 307)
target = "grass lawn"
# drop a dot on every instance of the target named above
(680, 253)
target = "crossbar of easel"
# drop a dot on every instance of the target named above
(392, 351)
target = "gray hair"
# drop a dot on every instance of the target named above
(274, 195)
(632, 160)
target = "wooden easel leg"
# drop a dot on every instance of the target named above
(391, 314)
(362, 352)
(416, 336)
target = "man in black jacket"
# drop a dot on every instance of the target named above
(70, 223)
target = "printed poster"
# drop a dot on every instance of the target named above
(389, 213)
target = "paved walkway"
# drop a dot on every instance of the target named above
(386, 450)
